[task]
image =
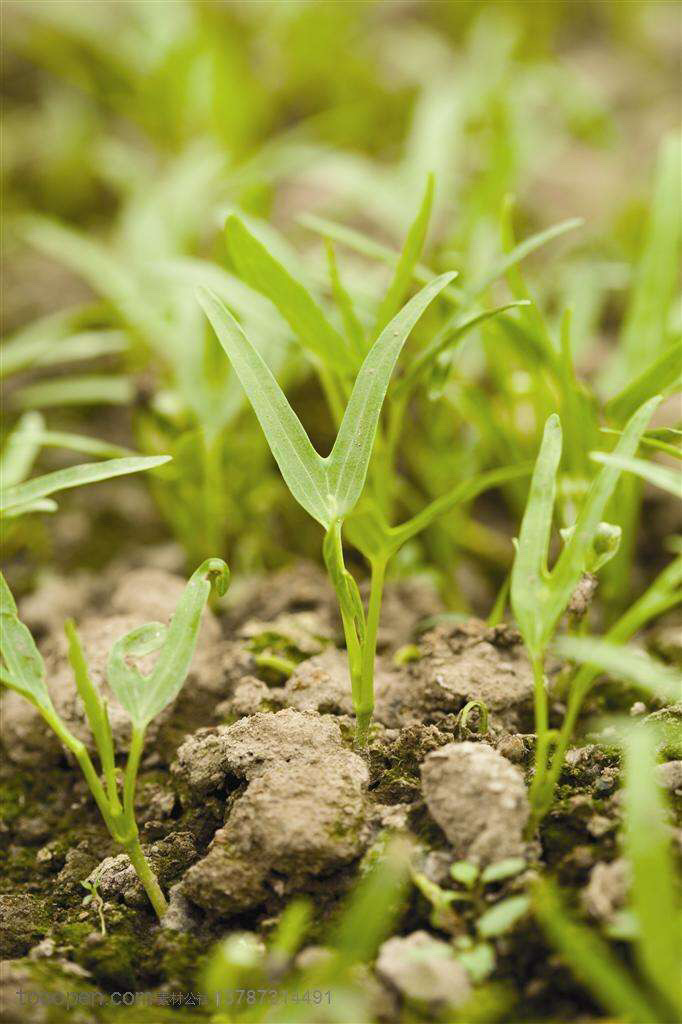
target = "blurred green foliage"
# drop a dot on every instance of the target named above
(132, 129)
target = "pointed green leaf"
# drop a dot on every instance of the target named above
(529, 573)
(262, 271)
(347, 464)
(523, 249)
(21, 449)
(75, 476)
(660, 476)
(86, 389)
(451, 334)
(459, 494)
(352, 325)
(95, 708)
(656, 277)
(572, 561)
(300, 465)
(661, 377)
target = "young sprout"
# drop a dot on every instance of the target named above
(329, 488)
(94, 898)
(143, 697)
(539, 597)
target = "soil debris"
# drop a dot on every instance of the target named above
(424, 970)
(478, 799)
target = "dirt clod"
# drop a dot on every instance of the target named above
(424, 970)
(479, 800)
(303, 814)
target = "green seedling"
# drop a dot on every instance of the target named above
(143, 697)
(330, 488)
(475, 890)
(94, 898)
(539, 597)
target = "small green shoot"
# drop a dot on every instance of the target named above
(143, 697)
(540, 597)
(94, 898)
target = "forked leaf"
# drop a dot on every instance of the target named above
(347, 464)
(259, 269)
(144, 697)
(126, 681)
(326, 488)
(660, 476)
(529, 583)
(33, 490)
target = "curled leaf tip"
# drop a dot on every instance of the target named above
(217, 573)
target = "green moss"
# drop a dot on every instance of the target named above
(13, 794)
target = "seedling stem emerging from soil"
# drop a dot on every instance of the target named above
(142, 696)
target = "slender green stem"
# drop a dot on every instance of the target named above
(146, 876)
(541, 726)
(365, 708)
(130, 778)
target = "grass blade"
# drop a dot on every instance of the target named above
(660, 476)
(662, 377)
(352, 325)
(656, 276)
(75, 476)
(347, 464)
(300, 465)
(572, 561)
(449, 335)
(529, 575)
(523, 249)
(629, 663)
(87, 389)
(21, 449)
(591, 960)
(265, 274)
(648, 847)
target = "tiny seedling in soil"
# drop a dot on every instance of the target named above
(142, 696)
(330, 488)
(94, 898)
(539, 597)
